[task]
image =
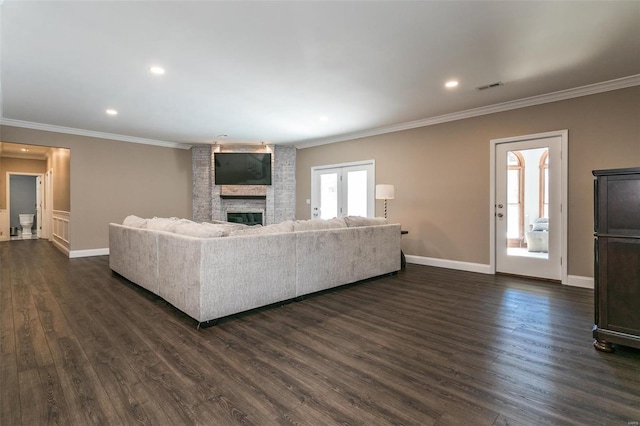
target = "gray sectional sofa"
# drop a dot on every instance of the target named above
(210, 271)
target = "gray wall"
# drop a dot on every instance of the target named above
(23, 198)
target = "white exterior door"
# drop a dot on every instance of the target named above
(343, 190)
(528, 208)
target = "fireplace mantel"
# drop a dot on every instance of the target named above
(254, 192)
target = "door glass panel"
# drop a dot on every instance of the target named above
(527, 192)
(357, 193)
(513, 204)
(328, 196)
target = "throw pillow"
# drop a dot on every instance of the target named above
(135, 221)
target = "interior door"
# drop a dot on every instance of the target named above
(528, 210)
(343, 190)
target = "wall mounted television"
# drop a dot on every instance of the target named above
(242, 168)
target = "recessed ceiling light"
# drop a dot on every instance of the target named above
(24, 149)
(450, 84)
(111, 112)
(156, 70)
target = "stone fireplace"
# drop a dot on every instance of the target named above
(275, 202)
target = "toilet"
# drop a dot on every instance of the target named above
(26, 222)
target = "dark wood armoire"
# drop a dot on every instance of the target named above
(617, 258)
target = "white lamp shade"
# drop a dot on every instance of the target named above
(384, 192)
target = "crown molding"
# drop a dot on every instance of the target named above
(91, 133)
(592, 89)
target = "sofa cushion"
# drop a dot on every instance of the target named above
(316, 225)
(135, 221)
(201, 230)
(355, 221)
(165, 224)
(286, 226)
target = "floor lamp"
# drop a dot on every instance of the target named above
(385, 192)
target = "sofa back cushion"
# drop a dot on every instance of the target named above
(355, 221)
(278, 228)
(316, 225)
(165, 224)
(201, 230)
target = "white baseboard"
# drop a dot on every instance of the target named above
(450, 264)
(89, 253)
(572, 280)
(60, 246)
(578, 281)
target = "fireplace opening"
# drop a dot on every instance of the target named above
(246, 218)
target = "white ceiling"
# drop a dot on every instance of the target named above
(267, 71)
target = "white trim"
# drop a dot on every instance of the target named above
(564, 200)
(370, 165)
(578, 281)
(449, 264)
(88, 253)
(591, 89)
(350, 164)
(91, 133)
(572, 280)
(60, 227)
(61, 246)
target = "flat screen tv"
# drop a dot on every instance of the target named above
(242, 168)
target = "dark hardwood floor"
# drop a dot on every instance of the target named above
(81, 345)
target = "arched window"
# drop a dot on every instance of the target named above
(544, 184)
(515, 198)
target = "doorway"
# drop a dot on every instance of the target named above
(24, 196)
(528, 193)
(343, 190)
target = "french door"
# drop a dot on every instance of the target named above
(530, 186)
(343, 190)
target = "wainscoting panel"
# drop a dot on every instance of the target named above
(60, 234)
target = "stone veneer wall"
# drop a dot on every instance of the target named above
(279, 204)
(202, 181)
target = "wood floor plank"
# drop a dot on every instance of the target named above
(427, 346)
(9, 398)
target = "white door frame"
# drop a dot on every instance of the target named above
(564, 182)
(47, 205)
(369, 163)
(39, 196)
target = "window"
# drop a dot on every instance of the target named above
(515, 198)
(544, 184)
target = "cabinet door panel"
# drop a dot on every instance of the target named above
(619, 284)
(622, 204)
